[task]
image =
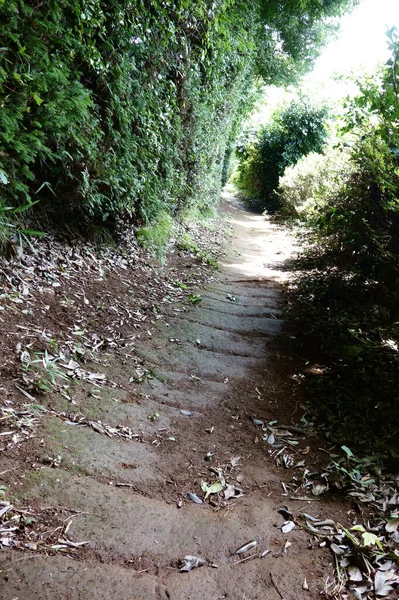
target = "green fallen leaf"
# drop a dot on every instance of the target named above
(347, 451)
(358, 528)
(214, 488)
(370, 539)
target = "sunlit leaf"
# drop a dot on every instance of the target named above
(370, 539)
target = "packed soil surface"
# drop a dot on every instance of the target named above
(177, 432)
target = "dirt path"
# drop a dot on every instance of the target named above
(213, 373)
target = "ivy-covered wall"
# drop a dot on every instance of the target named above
(128, 106)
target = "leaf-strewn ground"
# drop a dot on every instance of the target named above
(153, 418)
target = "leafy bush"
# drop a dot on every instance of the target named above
(293, 132)
(305, 188)
(105, 107)
(348, 299)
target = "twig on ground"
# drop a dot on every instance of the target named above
(303, 498)
(128, 485)
(276, 586)
(245, 559)
(8, 470)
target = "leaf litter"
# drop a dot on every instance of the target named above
(226, 489)
(366, 554)
(43, 530)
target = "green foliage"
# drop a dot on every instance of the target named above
(294, 35)
(156, 236)
(13, 230)
(349, 299)
(195, 298)
(293, 132)
(305, 188)
(187, 244)
(131, 107)
(43, 371)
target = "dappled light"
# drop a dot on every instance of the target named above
(266, 246)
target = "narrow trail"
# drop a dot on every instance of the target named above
(212, 363)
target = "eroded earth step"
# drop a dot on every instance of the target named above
(249, 303)
(129, 497)
(216, 366)
(234, 324)
(253, 290)
(204, 336)
(130, 533)
(238, 307)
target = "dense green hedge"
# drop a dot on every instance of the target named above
(129, 106)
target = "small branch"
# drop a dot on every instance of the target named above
(79, 514)
(276, 586)
(128, 485)
(8, 470)
(245, 559)
(305, 499)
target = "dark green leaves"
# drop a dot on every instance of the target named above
(293, 132)
(132, 106)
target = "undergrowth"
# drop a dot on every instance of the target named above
(346, 298)
(155, 237)
(354, 397)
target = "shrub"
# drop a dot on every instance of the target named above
(129, 107)
(293, 132)
(348, 298)
(306, 187)
(111, 108)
